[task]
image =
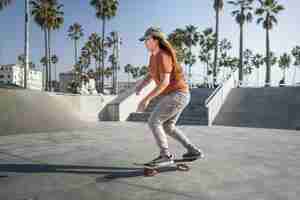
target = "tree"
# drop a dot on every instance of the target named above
(54, 60)
(296, 55)
(4, 3)
(257, 61)
(75, 32)
(284, 63)
(48, 15)
(176, 38)
(105, 10)
(143, 71)
(225, 46)
(128, 69)
(191, 38)
(114, 42)
(267, 16)
(218, 6)
(272, 61)
(207, 44)
(248, 67)
(242, 14)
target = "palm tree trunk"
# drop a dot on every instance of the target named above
(190, 70)
(241, 56)
(75, 45)
(102, 59)
(216, 48)
(49, 54)
(294, 76)
(46, 56)
(268, 70)
(55, 72)
(257, 76)
(26, 48)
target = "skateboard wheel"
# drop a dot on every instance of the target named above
(150, 172)
(183, 167)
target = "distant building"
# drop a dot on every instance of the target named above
(66, 79)
(14, 74)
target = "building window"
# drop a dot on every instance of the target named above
(8, 76)
(1, 76)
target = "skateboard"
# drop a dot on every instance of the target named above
(180, 164)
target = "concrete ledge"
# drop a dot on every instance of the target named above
(120, 108)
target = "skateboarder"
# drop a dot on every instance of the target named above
(175, 96)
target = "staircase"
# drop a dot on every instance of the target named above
(194, 114)
(261, 107)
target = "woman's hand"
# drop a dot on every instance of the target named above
(138, 89)
(143, 105)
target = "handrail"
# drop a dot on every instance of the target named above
(207, 101)
(215, 101)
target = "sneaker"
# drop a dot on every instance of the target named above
(193, 154)
(162, 160)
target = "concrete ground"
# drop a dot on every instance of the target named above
(97, 163)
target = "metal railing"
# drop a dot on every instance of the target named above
(215, 101)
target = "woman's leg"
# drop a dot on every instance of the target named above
(167, 107)
(169, 125)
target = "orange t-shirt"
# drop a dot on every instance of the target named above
(162, 63)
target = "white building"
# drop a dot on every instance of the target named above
(14, 74)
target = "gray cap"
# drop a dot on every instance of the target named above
(153, 31)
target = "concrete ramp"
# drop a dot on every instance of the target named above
(262, 108)
(27, 111)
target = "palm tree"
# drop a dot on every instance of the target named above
(284, 63)
(4, 3)
(113, 42)
(48, 16)
(242, 14)
(55, 21)
(218, 6)
(267, 16)
(105, 10)
(75, 32)
(191, 38)
(272, 60)
(225, 46)
(296, 55)
(44, 62)
(176, 38)
(257, 61)
(143, 70)
(248, 57)
(54, 60)
(94, 45)
(127, 69)
(206, 44)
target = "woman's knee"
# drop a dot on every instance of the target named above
(169, 127)
(153, 122)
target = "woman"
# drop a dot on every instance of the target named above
(172, 87)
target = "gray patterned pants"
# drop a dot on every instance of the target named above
(164, 117)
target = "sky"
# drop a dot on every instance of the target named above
(134, 17)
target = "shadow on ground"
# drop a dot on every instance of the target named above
(109, 172)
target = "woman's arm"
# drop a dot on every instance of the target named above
(144, 83)
(165, 79)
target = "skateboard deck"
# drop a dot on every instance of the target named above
(152, 170)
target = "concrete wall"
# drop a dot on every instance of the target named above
(88, 107)
(28, 111)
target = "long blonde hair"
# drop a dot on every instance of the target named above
(169, 49)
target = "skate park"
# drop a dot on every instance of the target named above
(70, 127)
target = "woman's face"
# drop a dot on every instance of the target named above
(151, 43)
